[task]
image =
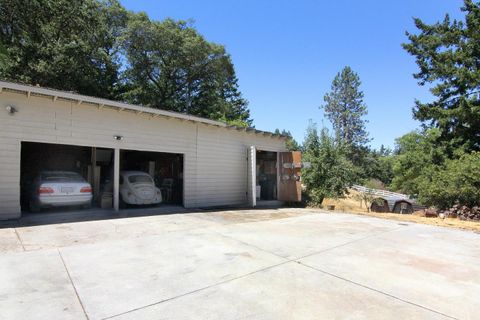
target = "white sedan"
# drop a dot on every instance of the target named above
(58, 189)
(138, 188)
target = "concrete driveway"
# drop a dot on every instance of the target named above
(258, 264)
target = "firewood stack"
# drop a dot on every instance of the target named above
(463, 213)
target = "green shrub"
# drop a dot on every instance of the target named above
(458, 181)
(330, 173)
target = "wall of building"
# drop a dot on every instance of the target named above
(215, 171)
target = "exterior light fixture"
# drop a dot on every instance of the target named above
(11, 110)
(118, 137)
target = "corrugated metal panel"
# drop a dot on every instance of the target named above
(392, 200)
(215, 168)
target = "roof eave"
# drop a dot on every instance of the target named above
(102, 103)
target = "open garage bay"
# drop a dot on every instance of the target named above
(55, 166)
(52, 173)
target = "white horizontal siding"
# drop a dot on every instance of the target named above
(222, 164)
(214, 158)
(9, 171)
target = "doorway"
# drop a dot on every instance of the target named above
(266, 175)
(273, 177)
(62, 164)
(165, 169)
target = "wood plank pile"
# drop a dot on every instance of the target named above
(463, 212)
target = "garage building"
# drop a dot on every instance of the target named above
(196, 162)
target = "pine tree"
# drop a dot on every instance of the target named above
(448, 56)
(345, 109)
(290, 143)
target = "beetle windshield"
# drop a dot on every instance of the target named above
(140, 179)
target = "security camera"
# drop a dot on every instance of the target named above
(117, 137)
(10, 109)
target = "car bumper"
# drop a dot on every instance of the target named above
(143, 202)
(137, 201)
(60, 201)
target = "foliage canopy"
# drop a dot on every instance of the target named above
(330, 173)
(345, 109)
(66, 45)
(97, 48)
(448, 56)
(171, 66)
(290, 143)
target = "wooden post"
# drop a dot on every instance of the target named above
(94, 173)
(116, 179)
(252, 176)
(279, 175)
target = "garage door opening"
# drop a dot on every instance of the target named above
(266, 175)
(60, 177)
(150, 178)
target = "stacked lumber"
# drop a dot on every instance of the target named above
(463, 212)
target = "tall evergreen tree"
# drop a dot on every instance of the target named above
(345, 109)
(448, 55)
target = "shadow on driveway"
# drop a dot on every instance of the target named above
(67, 216)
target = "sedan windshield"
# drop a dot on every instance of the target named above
(140, 179)
(61, 177)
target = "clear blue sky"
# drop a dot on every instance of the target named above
(286, 54)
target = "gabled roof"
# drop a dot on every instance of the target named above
(121, 106)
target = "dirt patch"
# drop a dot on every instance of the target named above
(244, 216)
(351, 205)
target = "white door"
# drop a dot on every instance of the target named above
(252, 176)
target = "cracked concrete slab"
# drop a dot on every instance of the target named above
(434, 267)
(288, 291)
(67, 234)
(293, 238)
(220, 267)
(34, 285)
(9, 241)
(114, 277)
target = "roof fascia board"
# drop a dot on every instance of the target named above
(103, 103)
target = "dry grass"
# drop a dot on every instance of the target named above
(351, 205)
